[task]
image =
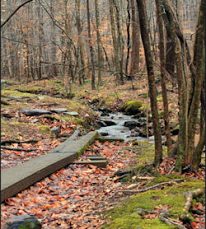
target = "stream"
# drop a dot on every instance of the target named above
(113, 127)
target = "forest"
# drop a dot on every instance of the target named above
(103, 114)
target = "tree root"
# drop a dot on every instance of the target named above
(153, 187)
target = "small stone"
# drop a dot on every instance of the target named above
(72, 113)
(23, 221)
(59, 110)
(55, 131)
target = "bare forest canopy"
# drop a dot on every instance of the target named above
(47, 38)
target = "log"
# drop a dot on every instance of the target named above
(190, 196)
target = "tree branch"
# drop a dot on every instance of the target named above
(15, 11)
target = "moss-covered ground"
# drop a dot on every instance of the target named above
(126, 215)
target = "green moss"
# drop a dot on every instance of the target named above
(15, 93)
(132, 106)
(44, 129)
(126, 216)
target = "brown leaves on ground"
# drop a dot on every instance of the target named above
(199, 216)
(76, 196)
(27, 131)
(168, 165)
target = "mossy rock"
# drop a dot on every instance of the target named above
(132, 107)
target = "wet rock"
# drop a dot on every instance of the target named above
(35, 112)
(109, 123)
(104, 134)
(139, 115)
(132, 124)
(101, 123)
(23, 221)
(105, 111)
(72, 113)
(59, 110)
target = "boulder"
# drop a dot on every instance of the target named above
(35, 112)
(132, 107)
(132, 124)
(23, 221)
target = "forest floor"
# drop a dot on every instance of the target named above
(84, 196)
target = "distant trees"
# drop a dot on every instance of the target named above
(85, 40)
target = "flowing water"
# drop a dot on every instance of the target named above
(117, 130)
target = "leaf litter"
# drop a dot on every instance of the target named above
(76, 196)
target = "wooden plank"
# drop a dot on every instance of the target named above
(18, 178)
(98, 163)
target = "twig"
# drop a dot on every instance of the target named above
(153, 187)
(4, 142)
(17, 149)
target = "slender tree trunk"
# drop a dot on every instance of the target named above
(119, 42)
(135, 40)
(163, 77)
(128, 36)
(144, 28)
(98, 42)
(80, 43)
(90, 47)
(114, 38)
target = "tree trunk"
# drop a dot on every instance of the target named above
(135, 40)
(90, 47)
(98, 42)
(128, 36)
(144, 28)
(163, 76)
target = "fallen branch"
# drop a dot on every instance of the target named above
(190, 196)
(4, 142)
(165, 219)
(153, 187)
(17, 149)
